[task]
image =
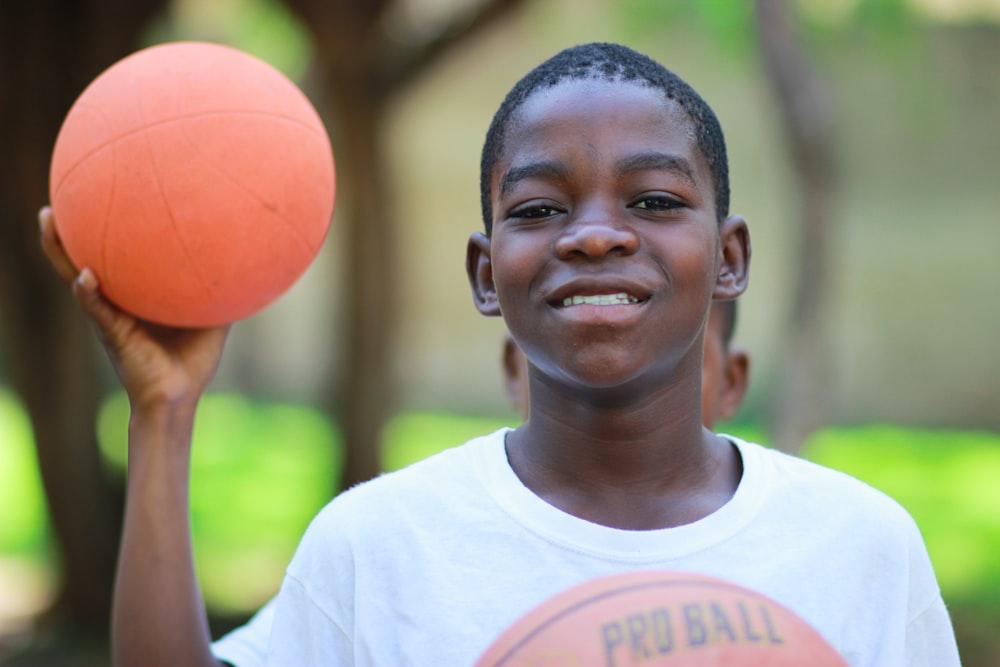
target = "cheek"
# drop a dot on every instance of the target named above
(512, 270)
(692, 267)
(701, 258)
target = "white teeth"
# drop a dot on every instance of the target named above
(620, 299)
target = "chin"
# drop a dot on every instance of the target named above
(604, 373)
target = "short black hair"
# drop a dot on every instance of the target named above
(609, 62)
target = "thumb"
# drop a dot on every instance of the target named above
(111, 322)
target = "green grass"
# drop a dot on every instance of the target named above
(260, 471)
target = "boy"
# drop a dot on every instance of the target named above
(605, 199)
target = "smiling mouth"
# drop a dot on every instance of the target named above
(619, 299)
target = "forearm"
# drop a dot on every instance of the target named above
(159, 617)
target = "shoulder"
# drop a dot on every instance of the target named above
(444, 479)
(864, 540)
(787, 471)
(455, 467)
(809, 490)
(247, 644)
(368, 528)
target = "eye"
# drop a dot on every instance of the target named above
(535, 211)
(657, 203)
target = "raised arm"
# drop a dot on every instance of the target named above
(158, 614)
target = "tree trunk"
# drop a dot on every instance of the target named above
(365, 398)
(353, 96)
(806, 109)
(360, 71)
(50, 51)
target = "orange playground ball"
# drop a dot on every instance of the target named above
(658, 618)
(195, 180)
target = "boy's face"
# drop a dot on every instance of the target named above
(605, 250)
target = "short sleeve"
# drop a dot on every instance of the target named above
(930, 639)
(246, 646)
(302, 634)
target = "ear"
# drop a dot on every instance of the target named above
(480, 270)
(737, 379)
(734, 271)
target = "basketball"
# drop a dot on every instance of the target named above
(656, 618)
(195, 180)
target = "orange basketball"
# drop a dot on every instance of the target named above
(657, 618)
(195, 180)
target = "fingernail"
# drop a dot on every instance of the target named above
(87, 279)
(43, 214)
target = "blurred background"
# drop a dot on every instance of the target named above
(863, 140)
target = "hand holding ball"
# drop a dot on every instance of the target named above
(195, 180)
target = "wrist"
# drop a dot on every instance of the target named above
(167, 423)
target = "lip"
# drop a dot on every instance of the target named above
(599, 286)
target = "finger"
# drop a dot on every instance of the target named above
(112, 322)
(53, 247)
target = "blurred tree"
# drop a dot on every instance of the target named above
(806, 108)
(50, 50)
(367, 53)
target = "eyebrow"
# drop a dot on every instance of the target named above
(533, 170)
(656, 161)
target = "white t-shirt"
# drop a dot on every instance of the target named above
(428, 565)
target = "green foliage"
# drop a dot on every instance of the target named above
(22, 506)
(264, 28)
(731, 26)
(259, 473)
(263, 473)
(946, 479)
(414, 436)
(727, 22)
(885, 16)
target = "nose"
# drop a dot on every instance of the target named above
(596, 234)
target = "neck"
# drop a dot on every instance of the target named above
(645, 463)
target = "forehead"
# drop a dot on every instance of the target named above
(607, 116)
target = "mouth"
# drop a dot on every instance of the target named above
(617, 299)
